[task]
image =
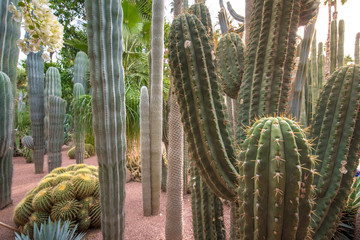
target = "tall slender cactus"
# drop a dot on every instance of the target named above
(340, 49)
(81, 68)
(35, 72)
(79, 128)
(357, 48)
(6, 132)
(157, 58)
(108, 88)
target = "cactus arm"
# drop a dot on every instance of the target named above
(157, 56)
(234, 14)
(107, 81)
(223, 21)
(35, 71)
(357, 49)
(57, 111)
(333, 44)
(193, 66)
(145, 150)
(78, 91)
(340, 50)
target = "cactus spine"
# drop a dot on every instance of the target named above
(145, 150)
(6, 139)
(81, 68)
(57, 111)
(35, 71)
(52, 88)
(79, 128)
(108, 103)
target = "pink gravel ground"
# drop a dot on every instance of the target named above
(136, 225)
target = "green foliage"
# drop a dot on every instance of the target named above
(49, 230)
(60, 194)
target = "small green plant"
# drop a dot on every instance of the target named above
(52, 231)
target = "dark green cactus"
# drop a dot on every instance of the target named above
(81, 69)
(207, 210)
(340, 49)
(35, 71)
(108, 88)
(6, 138)
(230, 58)
(57, 111)
(79, 128)
(202, 12)
(337, 128)
(275, 181)
(52, 88)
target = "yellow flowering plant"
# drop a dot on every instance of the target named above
(42, 25)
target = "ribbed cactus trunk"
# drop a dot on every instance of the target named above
(157, 63)
(35, 72)
(81, 68)
(340, 49)
(145, 150)
(57, 111)
(79, 127)
(333, 45)
(108, 104)
(6, 138)
(52, 88)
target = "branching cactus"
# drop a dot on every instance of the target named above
(35, 72)
(145, 150)
(230, 58)
(79, 128)
(6, 132)
(57, 111)
(108, 103)
(52, 88)
(81, 68)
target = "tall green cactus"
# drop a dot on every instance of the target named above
(57, 111)
(52, 88)
(79, 128)
(35, 72)
(357, 49)
(321, 65)
(81, 68)
(108, 103)
(340, 49)
(333, 45)
(6, 132)
(230, 58)
(145, 150)
(337, 126)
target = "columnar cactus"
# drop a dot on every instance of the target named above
(81, 68)
(230, 58)
(52, 88)
(145, 150)
(6, 132)
(203, 14)
(333, 44)
(207, 210)
(35, 72)
(108, 103)
(321, 65)
(340, 50)
(57, 111)
(357, 49)
(275, 181)
(337, 128)
(79, 127)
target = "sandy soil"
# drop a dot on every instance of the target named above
(136, 227)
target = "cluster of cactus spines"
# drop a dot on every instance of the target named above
(52, 88)
(333, 46)
(275, 188)
(191, 59)
(340, 50)
(28, 142)
(230, 59)
(35, 72)
(145, 150)
(81, 68)
(202, 12)
(57, 111)
(337, 126)
(57, 197)
(108, 88)
(6, 138)
(79, 128)
(207, 209)
(357, 49)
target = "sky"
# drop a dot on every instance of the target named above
(349, 12)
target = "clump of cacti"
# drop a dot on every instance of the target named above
(67, 193)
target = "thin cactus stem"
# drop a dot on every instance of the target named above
(234, 14)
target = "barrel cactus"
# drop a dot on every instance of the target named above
(28, 142)
(72, 198)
